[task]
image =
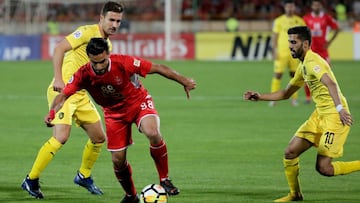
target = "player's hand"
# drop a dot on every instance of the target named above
(58, 85)
(345, 117)
(251, 95)
(49, 117)
(188, 86)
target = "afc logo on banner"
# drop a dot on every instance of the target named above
(16, 53)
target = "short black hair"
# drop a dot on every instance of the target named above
(303, 33)
(112, 6)
(97, 46)
(320, 1)
(288, 2)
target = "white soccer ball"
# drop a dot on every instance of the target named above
(153, 193)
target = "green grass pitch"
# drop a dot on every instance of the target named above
(221, 148)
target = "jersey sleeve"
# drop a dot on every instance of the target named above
(74, 84)
(78, 37)
(275, 26)
(317, 70)
(136, 65)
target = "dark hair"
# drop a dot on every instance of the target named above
(112, 6)
(288, 2)
(303, 33)
(97, 46)
(320, 1)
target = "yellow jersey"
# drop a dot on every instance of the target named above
(77, 56)
(310, 72)
(281, 25)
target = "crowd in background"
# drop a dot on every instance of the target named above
(153, 10)
(257, 9)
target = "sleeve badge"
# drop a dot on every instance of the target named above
(77, 34)
(317, 69)
(137, 62)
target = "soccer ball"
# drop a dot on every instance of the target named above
(153, 193)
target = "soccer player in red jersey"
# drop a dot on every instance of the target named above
(113, 83)
(320, 23)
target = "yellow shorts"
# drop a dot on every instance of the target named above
(78, 107)
(326, 132)
(284, 61)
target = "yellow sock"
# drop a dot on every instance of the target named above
(342, 168)
(295, 95)
(292, 174)
(45, 155)
(90, 155)
(275, 84)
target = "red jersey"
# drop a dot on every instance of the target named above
(115, 89)
(319, 26)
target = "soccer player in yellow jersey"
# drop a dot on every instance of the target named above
(281, 53)
(327, 127)
(69, 56)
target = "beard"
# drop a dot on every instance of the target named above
(296, 53)
(99, 72)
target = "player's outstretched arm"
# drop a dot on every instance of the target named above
(188, 83)
(251, 95)
(274, 96)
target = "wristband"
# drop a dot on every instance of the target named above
(339, 107)
(52, 114)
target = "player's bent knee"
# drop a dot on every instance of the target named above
(152, 133)
(98, 139)
(290, 154)
(325, 170)
(118, 160)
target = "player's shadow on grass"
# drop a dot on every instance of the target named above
(11, 192)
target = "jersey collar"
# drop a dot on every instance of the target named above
(321, 14)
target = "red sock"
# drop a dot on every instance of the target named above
(124, 177)
(307, 92)
(159, 154)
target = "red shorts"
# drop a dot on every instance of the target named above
(119, 124)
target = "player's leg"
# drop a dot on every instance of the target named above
(307, 94)
(123, 173)
(92, 148)
(43, 158)
(291, 164)
(88, 118)
(279, 67)
(118, 140)
(295, 96)
(304, 138)
(61, 132)
(329, 148)
(293, 64)
(149, 125)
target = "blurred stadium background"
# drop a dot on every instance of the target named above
(159, 29)
(222, 148)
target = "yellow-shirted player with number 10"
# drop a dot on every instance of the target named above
(69, 56)
(281, 53)
(327, 127)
